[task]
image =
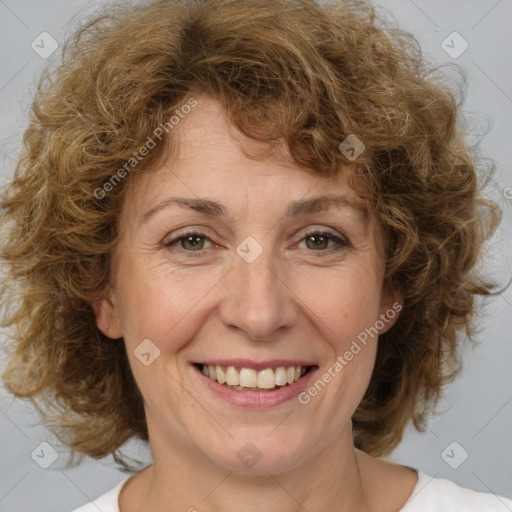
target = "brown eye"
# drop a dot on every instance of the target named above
(319, 241)
(193, 241)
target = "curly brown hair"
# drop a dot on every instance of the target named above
(284, 70)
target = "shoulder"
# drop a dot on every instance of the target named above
(435, 494)
(108, 502)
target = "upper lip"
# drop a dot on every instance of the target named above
(256, 365)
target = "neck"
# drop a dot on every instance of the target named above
(182, 479)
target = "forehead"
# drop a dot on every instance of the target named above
(207, 153)
(206, 135)
(212, 171)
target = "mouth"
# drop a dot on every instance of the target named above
(241, 378)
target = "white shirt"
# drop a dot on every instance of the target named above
(429, 495)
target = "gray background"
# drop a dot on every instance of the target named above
(476, 412)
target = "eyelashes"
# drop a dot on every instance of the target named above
(190, 237)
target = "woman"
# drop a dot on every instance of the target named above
(245, 232)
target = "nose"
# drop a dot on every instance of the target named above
(257, 299)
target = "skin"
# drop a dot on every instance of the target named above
(203, 301)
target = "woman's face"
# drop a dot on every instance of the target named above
(272, 281)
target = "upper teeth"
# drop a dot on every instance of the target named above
(250, 378)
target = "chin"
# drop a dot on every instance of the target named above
(260, 455)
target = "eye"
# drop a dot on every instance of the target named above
(319, 240)
(189, 241)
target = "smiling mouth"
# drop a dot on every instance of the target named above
(249, 379)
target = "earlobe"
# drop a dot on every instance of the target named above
(391, 306)
(106, 318)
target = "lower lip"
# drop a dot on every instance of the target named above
(257, 399)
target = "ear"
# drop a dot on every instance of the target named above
(106, 317)
(390, 307)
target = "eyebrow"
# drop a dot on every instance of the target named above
(296, 208)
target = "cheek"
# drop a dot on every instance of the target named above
(345, 304)
(160, 303)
